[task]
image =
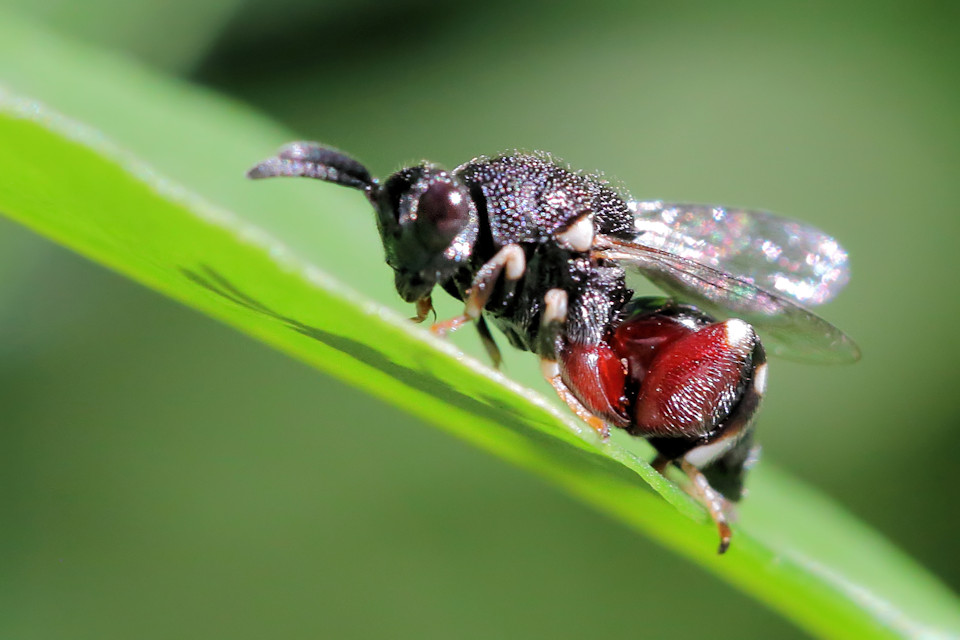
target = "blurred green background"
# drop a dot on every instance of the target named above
(120, 523)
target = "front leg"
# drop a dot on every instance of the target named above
(424, 308)
(509, 261)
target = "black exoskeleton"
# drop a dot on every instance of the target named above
(536, 248)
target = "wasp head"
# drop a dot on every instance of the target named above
(427, 220)
(428, 223)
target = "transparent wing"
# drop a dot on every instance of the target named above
(788, 329)
(778, 254)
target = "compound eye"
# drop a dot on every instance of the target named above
(444, 208)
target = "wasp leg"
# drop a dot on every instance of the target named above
(489, 343)
(551, 371)
(449, 325)
(660, 464)
(424, 308)
(551, 322)
(712, 499)
(510, 261)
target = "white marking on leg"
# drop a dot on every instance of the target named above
(760, 379)
(514, 260)
(705, 454)
(472, 309)
(579, 235)
(739, 333)
(509, 261)
(555, 301)
(549, 369)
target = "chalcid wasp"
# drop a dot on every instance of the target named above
(542, 252)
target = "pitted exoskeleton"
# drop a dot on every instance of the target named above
(541, 252)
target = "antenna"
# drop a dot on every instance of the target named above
(313, 160)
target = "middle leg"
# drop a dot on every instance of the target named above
(552, 321)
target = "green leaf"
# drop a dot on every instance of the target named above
(156, 192)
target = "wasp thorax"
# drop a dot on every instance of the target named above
(429, 225)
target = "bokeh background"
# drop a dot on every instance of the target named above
(118, 522)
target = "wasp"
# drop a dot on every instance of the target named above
(542, 253)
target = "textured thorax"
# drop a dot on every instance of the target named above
(528, 198)
(539, 250)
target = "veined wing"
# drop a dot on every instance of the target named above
(788, 329)
(781, 255)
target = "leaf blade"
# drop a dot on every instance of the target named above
(105, 203)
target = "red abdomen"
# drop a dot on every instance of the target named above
(663, 371)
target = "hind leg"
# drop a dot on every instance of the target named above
(699, 384)
(712, 499)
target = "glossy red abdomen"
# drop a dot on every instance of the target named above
(663, 373)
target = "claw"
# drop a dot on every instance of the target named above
(712, 499)
(424, 308)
